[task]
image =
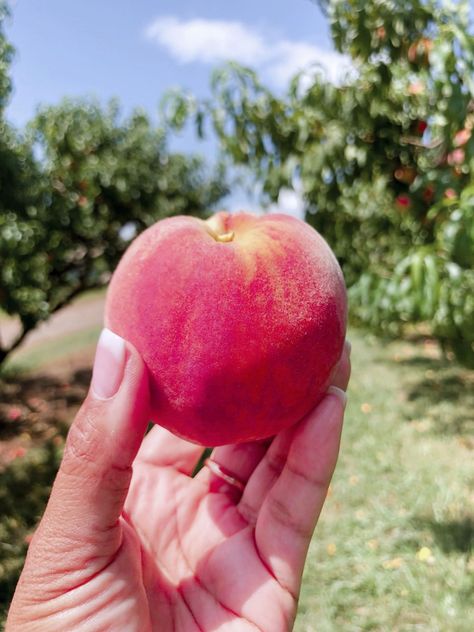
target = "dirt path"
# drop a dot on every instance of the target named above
(81, 314)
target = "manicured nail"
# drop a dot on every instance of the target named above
(109, 364)
(348, 347)
(338, 392)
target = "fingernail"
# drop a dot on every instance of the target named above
(348, 347)
(109, 364)
(339, 393)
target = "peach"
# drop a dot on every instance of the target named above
(240, 320)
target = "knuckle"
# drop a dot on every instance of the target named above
(86, 455)
(282, 514)
(116, 478)
(82, 445)
(306, 475)
(275, 462)
(247, 512)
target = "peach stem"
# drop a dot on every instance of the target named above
(225, 237)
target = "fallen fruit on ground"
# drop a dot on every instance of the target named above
(240, 320)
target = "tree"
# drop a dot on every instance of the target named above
(382, 159)
(103, 180)
(20, 183)
(67, 216)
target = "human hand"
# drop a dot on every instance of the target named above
(159, 550)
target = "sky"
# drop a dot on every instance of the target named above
(138, 50)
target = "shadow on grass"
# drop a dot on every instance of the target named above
(25, 485)
(453, 536)
(447, 387)
(30, 403)
(35, 412)
(443, 392)
(423, 362)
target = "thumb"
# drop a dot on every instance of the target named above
(90, 489)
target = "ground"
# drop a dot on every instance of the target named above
(394, 546)
(35, 405)
(86, 312)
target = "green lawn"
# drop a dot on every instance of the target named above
(47, 352)
(394, 547)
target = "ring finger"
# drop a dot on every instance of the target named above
(233, 462)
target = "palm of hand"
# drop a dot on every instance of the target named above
(196, 555)
(201, 568)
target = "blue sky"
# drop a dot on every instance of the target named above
(137, 50)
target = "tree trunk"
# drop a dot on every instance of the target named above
(27, 327)
(4, 353)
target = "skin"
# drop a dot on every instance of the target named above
(151, 548)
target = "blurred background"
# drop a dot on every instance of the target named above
(355, 115)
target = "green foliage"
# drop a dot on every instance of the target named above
(6, 52)
(24, 491)
(62, 216)
(74, 189)
(432, 283)
(102, 175)
(21, 269)
(101, 180)
(381, 158)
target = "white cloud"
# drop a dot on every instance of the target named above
(293, 57)
(207, 41)
(213, 41)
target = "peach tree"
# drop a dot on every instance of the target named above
(76, 186)
(102, 181)
(382, 158)
(20, 189)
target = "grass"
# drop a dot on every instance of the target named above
(394, 547)
(46, 353)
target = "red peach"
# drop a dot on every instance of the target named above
(462, 137)
(456, 157)
(240, 320)
(415, 88)
(403, 202)
(421, 127)
(406, 175)
(428, 193)
(419, 51)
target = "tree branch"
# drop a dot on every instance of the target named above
(78, 290)
(416, 142)
(4, 353)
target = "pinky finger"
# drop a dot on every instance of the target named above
(291, 509)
